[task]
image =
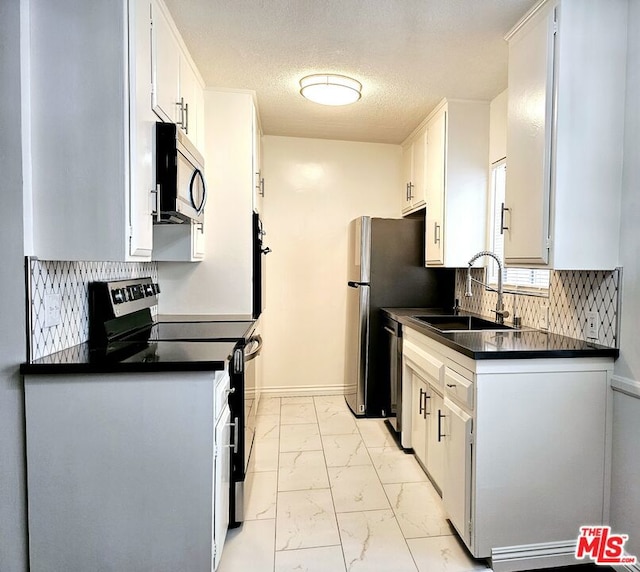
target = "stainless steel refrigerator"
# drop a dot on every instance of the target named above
(385, 269)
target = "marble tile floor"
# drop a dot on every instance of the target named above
(327, 492)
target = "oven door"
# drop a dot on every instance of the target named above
(243, 404)
(251, 352)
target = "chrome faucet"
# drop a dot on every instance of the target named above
(501, 313)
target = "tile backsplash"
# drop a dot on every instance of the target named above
(70, 280)
(571, 295)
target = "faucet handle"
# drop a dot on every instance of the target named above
(501, 315)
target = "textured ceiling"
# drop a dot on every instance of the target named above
(408, 54)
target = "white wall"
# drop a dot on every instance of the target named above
(221, 284)
(498, 127)
(313, 189)
(625, 501)
(13, 535)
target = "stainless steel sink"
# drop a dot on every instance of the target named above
(460, 323)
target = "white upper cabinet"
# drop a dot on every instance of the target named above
(414, 157)
(91, 161)
(565, 134)
(457, 160)
(165, 65)
(256, 146)
(191, 103)
(177, 91)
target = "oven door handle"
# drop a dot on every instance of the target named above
(254, 354)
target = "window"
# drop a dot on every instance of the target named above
(514, 279)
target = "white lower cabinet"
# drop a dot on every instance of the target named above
(425, 373)
(127, 471)
(520, 448)
(419, 417)
(435, 444)
(221, 480)
(455, 427)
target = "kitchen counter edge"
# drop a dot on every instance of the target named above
(474, 344)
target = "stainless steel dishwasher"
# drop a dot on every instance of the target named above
(393, 360)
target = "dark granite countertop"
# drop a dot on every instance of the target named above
(397, 313)
(526, 343)
(184, 342)
(135, 357)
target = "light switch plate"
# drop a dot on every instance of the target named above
(591, 329)
(543, 315)
(52, 310)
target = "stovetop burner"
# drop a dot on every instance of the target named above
(120, 311)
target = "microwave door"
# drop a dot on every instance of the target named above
(191, 189)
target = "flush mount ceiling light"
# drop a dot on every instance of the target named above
(330, 89)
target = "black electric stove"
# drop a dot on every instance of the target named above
(120, 321)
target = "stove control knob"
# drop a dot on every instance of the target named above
(117, 296)
(148, 289)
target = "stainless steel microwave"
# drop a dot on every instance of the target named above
(180, 187)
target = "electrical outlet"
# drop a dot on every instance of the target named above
(52, 312)
(593, 320)
(543, 316)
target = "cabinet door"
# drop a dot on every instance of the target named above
(455, 426)
(197, 241)
(221, 484)
(435, 445)
(256, 146)
(189, 100)
(418, 192)
(436, 181)
(418, 416)
(165, 65)
(529, 156)
(407, 160)
(142, 198)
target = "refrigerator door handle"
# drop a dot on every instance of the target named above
(353, 284)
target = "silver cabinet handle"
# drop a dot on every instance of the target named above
(388, 329)
(186, 121)
(180, 105)
(423, 403)
(436, 233)
(260, 184)
(502, 227)
(200, 226)
(229, 391)
(411, 185)
(440, 418)
(156, 210)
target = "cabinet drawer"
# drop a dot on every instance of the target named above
(459, 388)
(222, 383)
(431, 367)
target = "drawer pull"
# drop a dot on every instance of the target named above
(451, 385)
(440, 418)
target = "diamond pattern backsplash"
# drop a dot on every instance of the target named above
(70, 280)
(571, 295)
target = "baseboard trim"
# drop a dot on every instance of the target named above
(625, 385)
(303, 390)
(534, 556)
